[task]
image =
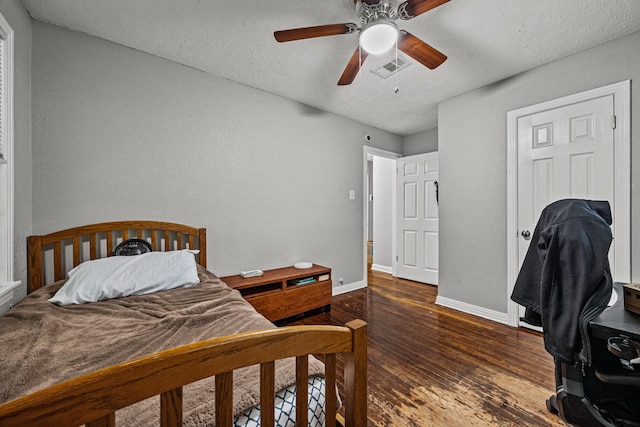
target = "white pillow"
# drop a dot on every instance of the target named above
(121, 276)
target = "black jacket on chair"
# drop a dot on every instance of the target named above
(565, 279)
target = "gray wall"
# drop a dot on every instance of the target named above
(119, 134)
(473, 166)
(17, 16)
(421, 142)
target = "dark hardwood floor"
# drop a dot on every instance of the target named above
(433, 366)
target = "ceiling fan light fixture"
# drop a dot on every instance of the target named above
(378, 36)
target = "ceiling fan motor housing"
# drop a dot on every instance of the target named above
(371, 11)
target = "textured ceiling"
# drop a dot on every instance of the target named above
(485, 41)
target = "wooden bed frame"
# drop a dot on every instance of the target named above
(93, 398)
(102, 239)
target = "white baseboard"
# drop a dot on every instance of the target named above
(7, 295)
(485, 313)
(343, 289)
(382, 268)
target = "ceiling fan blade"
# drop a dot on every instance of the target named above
(351, 71)
(412, 8)
(312, 32)
(420, 51)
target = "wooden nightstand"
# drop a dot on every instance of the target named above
(282, 292)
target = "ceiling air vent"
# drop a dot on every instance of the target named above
(391, 67)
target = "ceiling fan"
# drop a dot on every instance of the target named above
(378, 33)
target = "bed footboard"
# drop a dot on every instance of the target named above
(92, 399)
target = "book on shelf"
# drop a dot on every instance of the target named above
(303, 281)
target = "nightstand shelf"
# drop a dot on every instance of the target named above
(285, 292)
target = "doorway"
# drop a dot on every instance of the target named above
(385, 157)
(421, 261)
(573, 147)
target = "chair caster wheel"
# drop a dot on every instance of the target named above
(551, 405)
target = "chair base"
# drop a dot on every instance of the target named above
(577, 410)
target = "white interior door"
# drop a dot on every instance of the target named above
(565, 152)
(588, 135)
(417, 237)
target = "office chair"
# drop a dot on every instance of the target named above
(596, 396)
(565, 284)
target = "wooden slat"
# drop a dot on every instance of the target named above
(224, 399)
(191, 239)
(35, 263)
(179, 240)
(106, 421)
(140, 234)
(109, 242)
(154, 240)
(330, 390)
(125, 234)
(76, 251)
(202, 245)
(355, 376)
(302, 390)
(93, 246)
(57, 261)
(171, 408)
(167, 241)
(267, 393)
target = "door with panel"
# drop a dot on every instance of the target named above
(417, 216)
(565, 152)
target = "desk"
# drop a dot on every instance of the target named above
(616, 320)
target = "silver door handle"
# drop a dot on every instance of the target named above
(526, 234)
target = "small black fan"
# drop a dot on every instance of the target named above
(132, 247)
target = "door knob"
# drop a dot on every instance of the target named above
(526, 234)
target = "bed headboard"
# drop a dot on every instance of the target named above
(63, 250)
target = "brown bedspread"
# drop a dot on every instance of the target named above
(43, 344)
